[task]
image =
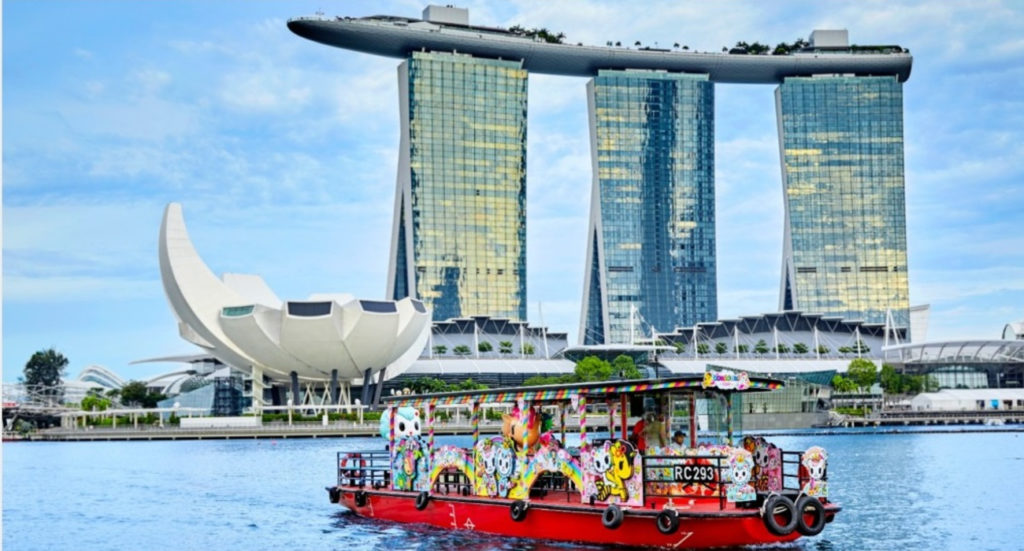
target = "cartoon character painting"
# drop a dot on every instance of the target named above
(814, 463)
(741, 465)
(504, 466)
(767, 471)
(407, 423)
(409, 469)
(524, 427)
(618, 461)
(486, 483)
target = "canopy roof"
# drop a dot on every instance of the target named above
(719, 381)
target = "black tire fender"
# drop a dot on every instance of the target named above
(334, 494)
(779, 515)
(422, 499)
(809, 506)
(612, 517)
(667, 521)
(518, 510)
(362, 498)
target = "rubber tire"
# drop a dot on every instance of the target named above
(518, 510)
(788, 509)
(362, 498)
(334, 494)
(422, 500)
(667, 522)
(810, 505)
(612, 517)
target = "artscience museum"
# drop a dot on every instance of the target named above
(319, 345)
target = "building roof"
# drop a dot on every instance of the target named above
(966, 351)
(399, 36)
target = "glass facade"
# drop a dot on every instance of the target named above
(845, 243)
(651, 245)
(460, 232)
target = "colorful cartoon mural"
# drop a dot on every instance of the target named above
(767, 472)
(410, 468)
(452, 457)
(548, 458)
(526, 427)
(495, 462)
(741, 466)
(612, 473)
(814, 462)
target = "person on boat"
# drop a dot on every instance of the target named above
(678, 441)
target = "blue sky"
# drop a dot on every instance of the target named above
(283, 153)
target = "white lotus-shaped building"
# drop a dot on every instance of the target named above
(332, 338)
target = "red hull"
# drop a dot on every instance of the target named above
(702, 525)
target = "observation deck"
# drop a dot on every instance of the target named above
(399, 36)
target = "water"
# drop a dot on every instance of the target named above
(960, 491)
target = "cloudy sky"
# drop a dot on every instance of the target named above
(283, 154)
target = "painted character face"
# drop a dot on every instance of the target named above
(761, 456)
(407, 423)
(815, 460)
(601, 460)
(505, 462)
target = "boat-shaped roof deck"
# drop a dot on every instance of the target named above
(399, 36)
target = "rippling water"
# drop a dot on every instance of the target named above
(960, 491)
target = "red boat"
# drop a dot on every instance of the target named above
(630, 487)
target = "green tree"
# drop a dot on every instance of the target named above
(527, 349)
(761, 347)
(505, 347)
(703, 348)
(461, 350)
(721, 347)
(860, 348)
(842, 384)
(624, 366)
(741, 348)
(891, 381)
(440, 349)
(44, 373)
(592, 368)
(822, 349)
(862, 372)
(91, 402)
(484, 346)
(135, 393)
(781, 348)
(680, 347)
(800, 348)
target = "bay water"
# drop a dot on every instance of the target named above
(912, 490)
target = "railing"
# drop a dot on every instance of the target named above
(363, 469)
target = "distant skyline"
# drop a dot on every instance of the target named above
(284, 153)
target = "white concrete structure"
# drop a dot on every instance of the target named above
(240, 321)
(979, 399)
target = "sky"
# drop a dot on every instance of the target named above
(283, 153)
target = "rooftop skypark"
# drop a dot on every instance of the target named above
(448, 29)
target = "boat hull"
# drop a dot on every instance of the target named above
(701, 525)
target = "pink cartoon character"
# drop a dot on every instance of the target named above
(814, 465)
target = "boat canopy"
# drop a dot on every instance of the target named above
(723, 382)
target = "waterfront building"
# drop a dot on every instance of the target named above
(651, 241)
(845, 237)
(459, 239)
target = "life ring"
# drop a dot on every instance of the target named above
(334, 494)
(518, 510)
(667, 521)
(353, 473)
(810, 506)
(422, 499)
(779, 515)
(612, 517)
(362, 498)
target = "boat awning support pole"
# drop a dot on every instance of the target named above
(693, 420)
(624, 414)
(583, 421)
(390, 412)
(611, 418)
(476, 423)
(430, 435)
(728, 418)
(561, 414)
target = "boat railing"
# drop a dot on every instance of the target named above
(791, 479)
(362, 469)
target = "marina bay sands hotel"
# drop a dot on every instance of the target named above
(459, 234)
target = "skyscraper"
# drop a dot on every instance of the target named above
(459, 239)
(845, 243)
(651, 240)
